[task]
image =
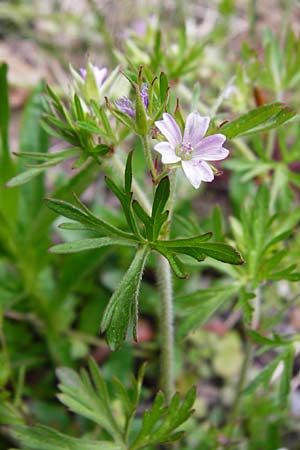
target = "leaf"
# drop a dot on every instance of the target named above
(62, 154)
(53, 132)
(78, 183)
(163, 86)
(187, 242)
(123, 118)
(175, 263)
(100, 149)
(222, 252)
(24, 177)
(80, 161)
(90, 127)
(122, 309)
(248, 122)
(263, 377)
(196, 308)
(198, 249)
(286, 377)
(45, 438)
(275, 342)
(160, 199)
(74, 226)
(128, 173)
(89, 400)
(125, 198)
(161, 421)
(72, 212)
(89, 244)
(285, 274)
(283, 117)
(78, 106)
(144, 217)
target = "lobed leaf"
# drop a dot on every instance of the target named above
(45, 438)
(196, 308)
(122, 309)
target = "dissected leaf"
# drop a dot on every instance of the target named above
(45, 438)
(196, 308)
(122, 309)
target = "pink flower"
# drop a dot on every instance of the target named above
(193, 149)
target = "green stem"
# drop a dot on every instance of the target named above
(149, 159)
(165, 284)
(166, 328)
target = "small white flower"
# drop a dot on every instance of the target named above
(193, 149)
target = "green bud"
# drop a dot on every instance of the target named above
(141, 115)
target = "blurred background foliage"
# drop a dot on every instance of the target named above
(222, 58)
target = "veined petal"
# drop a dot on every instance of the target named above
(197, 171)
(195, 128)
(192, 173)
(210, 148)
(169, 128)
(167, 152)
(206, 171)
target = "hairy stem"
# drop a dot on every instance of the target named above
(149, 158)
(166, 328)
(166, 317)
(164, 283)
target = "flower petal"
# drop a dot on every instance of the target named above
(197, 171)
(210, 148)
(167, 152)
(195, 128)
(169, 128)
(99, 75)
(192, 173)
(206, 171)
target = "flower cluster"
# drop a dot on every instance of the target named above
(192, 149)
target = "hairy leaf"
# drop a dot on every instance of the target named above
(89, 244)
(122, 309)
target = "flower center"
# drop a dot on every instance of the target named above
(185, 151)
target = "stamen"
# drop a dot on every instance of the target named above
(185, 151)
